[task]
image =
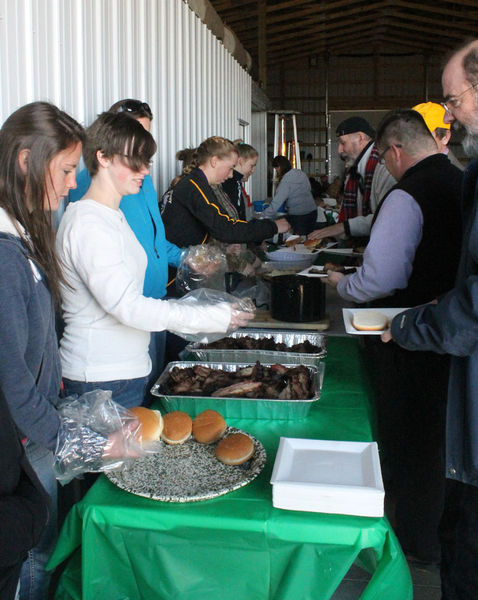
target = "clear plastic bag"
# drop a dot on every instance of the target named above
(242, 310)
(201, 266)
(96, 434)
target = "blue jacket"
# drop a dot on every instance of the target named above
(30, 371)
(142, 213)
(451, 326)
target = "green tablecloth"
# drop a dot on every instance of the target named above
(237, 546)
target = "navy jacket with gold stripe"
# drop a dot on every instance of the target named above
(192, 215)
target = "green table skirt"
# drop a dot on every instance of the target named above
(238, 546)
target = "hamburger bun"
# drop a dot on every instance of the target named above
(151, 423)
(208, 427)
(235, 449)
(369, 320)
(293, 241)
(312, 243)
(177, 427)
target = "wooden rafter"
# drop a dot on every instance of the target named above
(284, 29)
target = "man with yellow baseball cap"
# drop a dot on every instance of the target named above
(433, 114)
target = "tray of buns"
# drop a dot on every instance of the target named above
(296, 347)
(368, 321)
(237, 400)
(188, 472)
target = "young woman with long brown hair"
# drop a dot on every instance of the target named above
(40, 147)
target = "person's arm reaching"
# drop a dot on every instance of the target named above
(389, 255)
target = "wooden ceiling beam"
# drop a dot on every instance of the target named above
(322, 7)
(471, 3)
(262, 41)
(336, 45)
(403, 16)
(469, 14)
(326, 31)
(427, 30)
(325, 23)
(314, 48)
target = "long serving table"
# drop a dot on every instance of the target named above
(122, 546)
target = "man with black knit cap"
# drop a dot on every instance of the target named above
(366, 182)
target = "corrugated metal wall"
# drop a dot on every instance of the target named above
(83, 55)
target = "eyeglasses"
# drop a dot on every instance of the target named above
(135, 106)
(381, 156)
(453, 102)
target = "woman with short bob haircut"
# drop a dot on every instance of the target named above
(108, 320)
(294, 190)
(192, 214)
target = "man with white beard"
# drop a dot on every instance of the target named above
(451, 326)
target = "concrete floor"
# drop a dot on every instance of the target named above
(426, 584)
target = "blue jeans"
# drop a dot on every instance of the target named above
(34, 580)
(157, 347)
(127, 392)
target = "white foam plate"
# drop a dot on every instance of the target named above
(307, 272)
(343, 251)
(287, 253)
(328, 476)
(348, 314)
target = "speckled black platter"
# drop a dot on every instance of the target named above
(188, 472)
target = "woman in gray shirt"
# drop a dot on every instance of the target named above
(293, 190)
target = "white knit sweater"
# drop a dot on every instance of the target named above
(107, 319)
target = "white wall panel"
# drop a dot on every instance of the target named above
(83, 55)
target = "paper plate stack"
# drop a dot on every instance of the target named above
(328, 477)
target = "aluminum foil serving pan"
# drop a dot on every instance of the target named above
(238, 408)
(289, 338)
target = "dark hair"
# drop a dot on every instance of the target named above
(282, 163)
(245, 151)
(470, 65)
(212, 146)
(44, 130)
(135, 108)
(186, 156)
(441, 132)
(118, 134)
(407, 128)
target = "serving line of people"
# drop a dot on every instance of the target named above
(450, 326)
(426, 377)
(406, 263)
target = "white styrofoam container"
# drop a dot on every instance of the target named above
(328, 476)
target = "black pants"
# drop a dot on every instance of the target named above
(303, 224)
(411, 389)
(459, 538)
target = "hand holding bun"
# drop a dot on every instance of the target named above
(151, 423)
(208, 427)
